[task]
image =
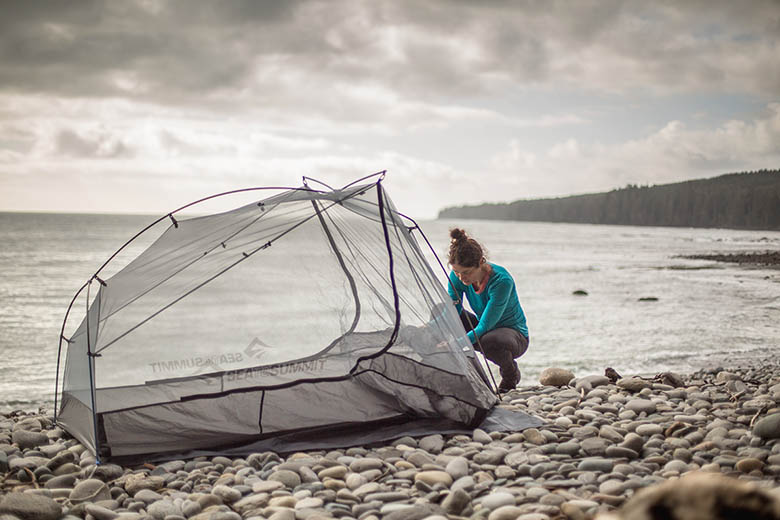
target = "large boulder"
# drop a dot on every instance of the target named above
(555, 376)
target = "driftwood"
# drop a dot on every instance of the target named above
(758, 413)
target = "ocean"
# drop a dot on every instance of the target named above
(647, 309)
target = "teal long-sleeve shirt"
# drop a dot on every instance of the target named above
(497, 306)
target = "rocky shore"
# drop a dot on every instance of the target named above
(605, 440)
(759, 259)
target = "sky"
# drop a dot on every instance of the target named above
(141, 106)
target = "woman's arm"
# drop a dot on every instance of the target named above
(498, 298)
(456, 290)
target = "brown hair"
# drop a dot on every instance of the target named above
(464, 250)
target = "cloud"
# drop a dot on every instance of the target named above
(16, 140)
(96, 144)
(264, 54)
(665, 155)
(142, 186)
(209, 95)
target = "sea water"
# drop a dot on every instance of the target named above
(647, 309)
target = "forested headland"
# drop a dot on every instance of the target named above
(748, 200)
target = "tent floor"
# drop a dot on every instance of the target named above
(497, 420)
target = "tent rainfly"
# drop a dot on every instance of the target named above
(308, 313)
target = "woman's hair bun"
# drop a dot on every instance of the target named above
(464, 250)
(457, 234)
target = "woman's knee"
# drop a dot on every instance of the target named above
(504, 342)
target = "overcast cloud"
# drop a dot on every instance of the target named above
(141, 106)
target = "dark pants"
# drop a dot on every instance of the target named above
(501, 346)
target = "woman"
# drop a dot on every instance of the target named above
(499, 326)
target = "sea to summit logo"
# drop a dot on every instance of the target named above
(206, 366)
(257, 349)
(210, 367)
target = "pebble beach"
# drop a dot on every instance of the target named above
(602, 443)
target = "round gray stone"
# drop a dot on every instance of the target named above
(458, 467)
(683, 454)
(90, 490)
(612, 487)
(27, 439)
(641, 405)
(596, 464)
(646, 430)
(456, 501)
(620, 452)
(172, 466)
(533, 436)
(633, 384)
(163, 508)
(432, 444)
(28, 506)
(289, 478)
(610, 434)
(365, 464)
(481, 436)
(594, 446)
(61, 482)
(107, 472)
(498, 499)
(568, 448)
(676, 465)
(26, 462)
(148, 496)
(228, 494)
(555, 376)
(768, 427)
(506, 513)
(490, 456)
(61, 458)
(100, 512)
(634, 442)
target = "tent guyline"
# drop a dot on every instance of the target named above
(341, 324)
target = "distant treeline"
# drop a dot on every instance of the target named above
(749, 200)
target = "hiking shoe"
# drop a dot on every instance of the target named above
(510, 382)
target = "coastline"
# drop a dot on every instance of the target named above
(746, 259)
(601, 444)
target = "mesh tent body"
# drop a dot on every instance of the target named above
(306, 311)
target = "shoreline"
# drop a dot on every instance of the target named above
(747, 259)
(601, 444)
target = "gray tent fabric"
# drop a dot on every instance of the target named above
(185, 347)
(498, 420)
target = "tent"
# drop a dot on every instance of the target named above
(306, 314)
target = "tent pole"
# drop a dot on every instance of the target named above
(59, 349)
(91, 365)
(380, 195)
